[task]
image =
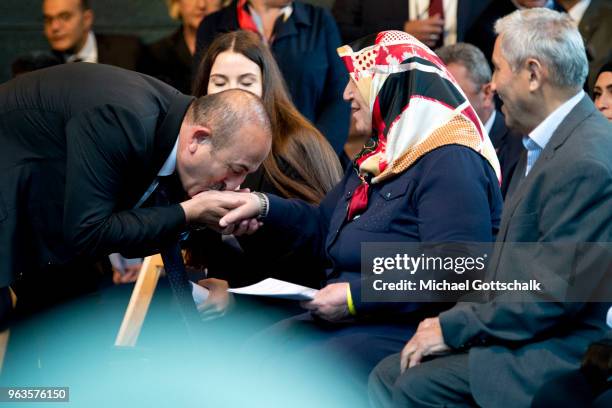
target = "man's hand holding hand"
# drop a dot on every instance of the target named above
(208, 207)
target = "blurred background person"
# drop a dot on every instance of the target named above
(171, 58)
(433, 22)
(301, 165)
(469, 67)
(68, 29)
(602, 92)
(594, 21)
(303, 39)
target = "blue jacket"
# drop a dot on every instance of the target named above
(305, 49)
(450, 194)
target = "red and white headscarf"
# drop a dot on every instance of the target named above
(416, 104)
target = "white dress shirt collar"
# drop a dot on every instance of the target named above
(170, 163)
(89, 52)
(544, 131)
(489, 124)
(578, 10)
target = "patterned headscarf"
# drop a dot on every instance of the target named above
(416, 104)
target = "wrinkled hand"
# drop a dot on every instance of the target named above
(242, 220)
(208, 207)
(246, 227)
(428, 31)
(219, 300)
(329, 303)
(597, 363)
(130, 275)
(426, 341)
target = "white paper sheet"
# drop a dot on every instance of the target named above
(277, 289)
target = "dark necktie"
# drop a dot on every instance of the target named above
(169, 191)
(437, 7)
(179, 283)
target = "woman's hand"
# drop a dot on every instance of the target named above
(219, 300)
(330, 302)
(242, 220)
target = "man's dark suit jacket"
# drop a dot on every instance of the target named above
(596, 30)
(358, 18)
(509, 148)
(514, 347)
(170, 61)
(80, 145)
(125, 51)
(482, 34)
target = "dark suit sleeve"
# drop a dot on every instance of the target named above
(103, 145)
(349, 16)
(577, 211)
(458, 200)
(303, 225)
(333, 115)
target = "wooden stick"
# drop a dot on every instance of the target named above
(4, 338)
(139, 302)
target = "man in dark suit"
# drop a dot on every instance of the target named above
(68, 28)
(595, 25)
(498, 351)
(482, 33)
(469, 67)
(443, 25)
(87, 151)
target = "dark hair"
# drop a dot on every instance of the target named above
(607, 67)
(226, 112)
(33, 61)
(295, 141)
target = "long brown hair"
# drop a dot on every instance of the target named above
(295, 141)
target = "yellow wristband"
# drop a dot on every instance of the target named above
(349, 301)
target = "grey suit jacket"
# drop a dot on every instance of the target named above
(567, 197)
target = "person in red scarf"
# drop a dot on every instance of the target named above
(428, 174)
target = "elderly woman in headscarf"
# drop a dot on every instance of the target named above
(427, 174)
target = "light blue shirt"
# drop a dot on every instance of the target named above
(539, 137)
(166, 170)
